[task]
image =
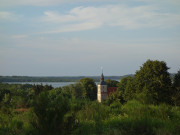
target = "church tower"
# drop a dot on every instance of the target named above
(102, 93)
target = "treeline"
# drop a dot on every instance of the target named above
(53, 79)
(146, 103)
(151, 84)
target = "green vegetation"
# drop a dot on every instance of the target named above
(53, 79)
(38, 79)
(111, 83)
(146, 103)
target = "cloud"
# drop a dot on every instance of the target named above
(75, 27)
(92, 17)
(8, 16)
(86, 18)
(19, 36)
(10, 3)
(162, 2)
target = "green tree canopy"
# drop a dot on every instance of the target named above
(126, 90)
(111, 83)
(176, 81)
(176, 89)
(123, 83)
(90, 87)
(49, 112)
(153, 77)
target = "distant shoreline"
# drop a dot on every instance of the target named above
(54, 79)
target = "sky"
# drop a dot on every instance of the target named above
(78, 37)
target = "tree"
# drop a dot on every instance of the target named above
(90, 87)
(77, 90)
(126, 89)
(123, 82)
(39, 88)
(176, 81)
(153, 77)
(49, 110)
(3, 92)
(129, 92)
(111, 83)
(115, 97)
(176, 89)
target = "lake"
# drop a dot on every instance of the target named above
(53, 84)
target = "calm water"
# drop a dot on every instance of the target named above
(53, 84)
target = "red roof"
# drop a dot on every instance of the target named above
(111, 90)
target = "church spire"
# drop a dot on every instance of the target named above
(102, 76)
(102, 82)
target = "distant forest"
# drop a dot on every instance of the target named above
(54, 79)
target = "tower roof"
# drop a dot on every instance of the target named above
(102, 82)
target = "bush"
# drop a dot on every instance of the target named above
(50, 109)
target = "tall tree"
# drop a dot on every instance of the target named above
(90, 87)
(126, 88)
(153, 77)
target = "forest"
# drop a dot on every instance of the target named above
(54, 79)
(147, 103)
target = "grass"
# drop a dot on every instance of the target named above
(136, 118)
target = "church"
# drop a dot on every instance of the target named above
(103, 91)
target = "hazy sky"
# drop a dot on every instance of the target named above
(77, 37)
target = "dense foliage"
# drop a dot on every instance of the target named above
(176, 87)
(111, 83)
(150, 85)
(90, 88)
(147, 103)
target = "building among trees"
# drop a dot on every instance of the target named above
(103, 91)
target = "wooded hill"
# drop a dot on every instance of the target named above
(54, 79)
